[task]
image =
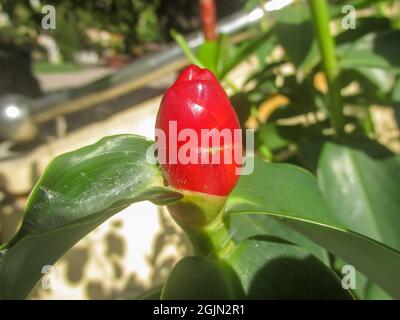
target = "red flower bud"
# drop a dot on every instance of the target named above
(198, 102)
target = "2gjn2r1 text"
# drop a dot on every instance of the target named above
(209, 309)
(215, 309)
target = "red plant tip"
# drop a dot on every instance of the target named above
(198, 135)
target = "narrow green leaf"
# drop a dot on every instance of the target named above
(374, 50)
(181, 41)
(208, 54)
(243, 51)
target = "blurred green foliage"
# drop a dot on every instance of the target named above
(132, 24)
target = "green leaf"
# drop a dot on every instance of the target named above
(219, 56)
(152, 294)
(181, 41)
(291, 194)
(265, 73)
(337, 6)
(269, 135)
(364, 25)
(232, 56)
(243, 227)
(368, 290)
(365, 289)
(375, 83)
(302, 96)
(281, 189)
(208, 54)
(265, 49)
(396, 91)
(374, 50)
(295, 33)
(78, 191)
(373, 292)
(202, 279)
(361, 183)
(270, 268)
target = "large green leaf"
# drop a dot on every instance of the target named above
(361, 184)
(203, 279)
(246, 226)
(270, 268)
(291, 194)
(365, 289)
(78, 191)
(257, 268)
(374, 50)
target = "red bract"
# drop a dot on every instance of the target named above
(197, 101)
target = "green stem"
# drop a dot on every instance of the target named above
(368, 123)
(214, 240)
(320, 15)
(201, 216)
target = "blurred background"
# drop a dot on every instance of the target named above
(74, 71)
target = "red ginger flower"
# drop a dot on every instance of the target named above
(197, 101)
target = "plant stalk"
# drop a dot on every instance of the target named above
(201, 216)
(326, 43)
(368, 123)
(208, 17)
(214, 240)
